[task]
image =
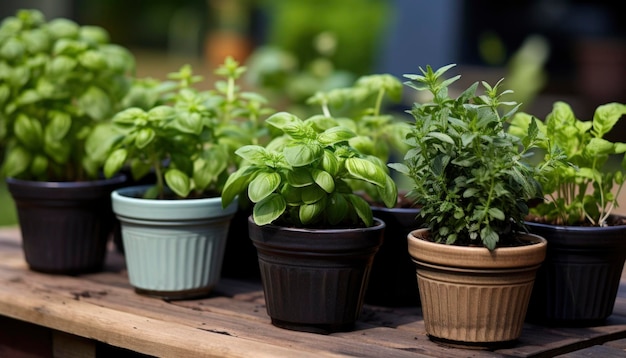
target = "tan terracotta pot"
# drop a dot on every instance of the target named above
(473, 297)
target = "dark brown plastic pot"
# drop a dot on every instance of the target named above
(578, 282)
(65, 225)
(315, 280)
(392, 281)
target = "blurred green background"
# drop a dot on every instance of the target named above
(572, 50)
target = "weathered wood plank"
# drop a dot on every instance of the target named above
(233, 322)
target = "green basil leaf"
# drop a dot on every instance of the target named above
(115, 162)
(308, 213)
(324, 180)
(337, 209)
(362, 208)
(28, 131)
(16, 162)
(268, 209)
(236, 183)
(95, 103)
(299, 155)
(144, 137)
(263, 185)
(59, 125)
(299, 177)
(335, 135)
(365, 170)
(178, 181)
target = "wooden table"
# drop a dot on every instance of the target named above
(100, 315)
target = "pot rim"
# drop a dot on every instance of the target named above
(475, 257)
(193, 208)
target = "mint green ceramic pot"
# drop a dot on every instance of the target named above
(174, 249)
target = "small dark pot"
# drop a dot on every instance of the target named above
(392, 280)
(578, 282)
(315, 280)
(65, 225)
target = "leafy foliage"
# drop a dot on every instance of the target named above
(57, 81)
(468, 173)
(582, 185)
(186, 136)
(360, 109)
(301, 178)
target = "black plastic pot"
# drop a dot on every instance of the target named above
(578, 282)
(315, 280)
(392, 281)
(65, 226)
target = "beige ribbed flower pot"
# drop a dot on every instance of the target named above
(473, 297)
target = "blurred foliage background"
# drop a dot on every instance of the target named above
(572, 50)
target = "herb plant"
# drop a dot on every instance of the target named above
(57, 81)
(468, 174)
(187, 136)
(302, 178)
(584, 181)
(361, 109)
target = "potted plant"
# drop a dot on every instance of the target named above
(475, 263)
(578, 282)
(174, 232)
(315, 237)
(59, 80)
(361, 107)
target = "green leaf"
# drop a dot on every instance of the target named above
(308, 213)
(441, 136)
(178, 181)
(263, 185)
(268, 209)
(599, 147)
(335, 135)
(324, 180)
(95, 103)
(29, 132)
(489, 237)
(59, 125)
(312, 194)
(236, 183)
(115, 162)
(282, 120)
(362, 208)
(337, 208)
(365, 170)
(389, 193)
(16, 162)
(144, 137)
(254, 154)
(496, 213)
(300, 155)
(299, 177)
(606, 116)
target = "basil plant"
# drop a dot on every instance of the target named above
(58, 81)
(185, 136)
(303, 178)
(583, 187)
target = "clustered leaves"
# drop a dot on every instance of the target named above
(186, 136)
(468, 173)
(302, 177)
(584, 177)
(56, 80)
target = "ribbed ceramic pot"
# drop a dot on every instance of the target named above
(315, 280)
(473, 297)
(173, 248)
(65, 226)
(392, 280)
(578, 282)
